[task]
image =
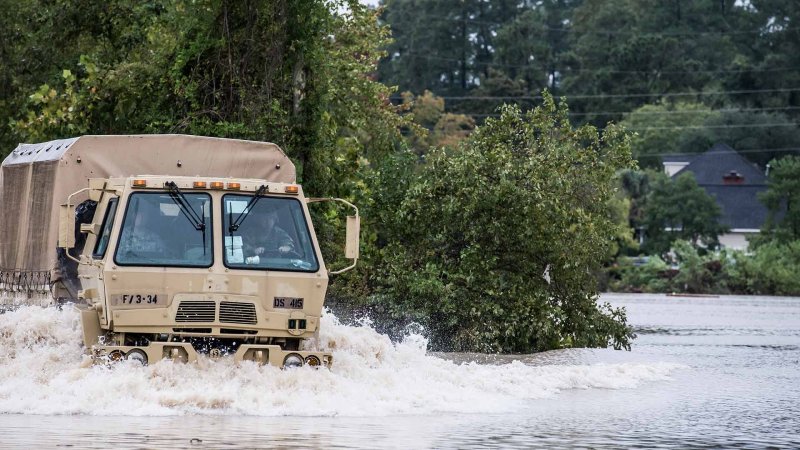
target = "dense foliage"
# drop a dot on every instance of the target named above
(683, 74)
(295, 73)
(771, 270)
(783, 200)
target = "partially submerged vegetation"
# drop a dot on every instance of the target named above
(492, 245)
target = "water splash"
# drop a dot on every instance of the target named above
(41, 354)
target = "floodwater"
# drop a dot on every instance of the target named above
(704, 372)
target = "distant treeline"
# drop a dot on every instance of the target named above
(682, 74)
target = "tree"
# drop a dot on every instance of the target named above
(297, 74)
(680, 209)
(668, 128)
(782, 198)
(492, 247)
(623, 47)
(691, 128)
(440, 45)
(534, 45)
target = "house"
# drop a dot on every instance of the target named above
(734, 182)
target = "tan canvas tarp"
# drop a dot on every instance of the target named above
(37, 178)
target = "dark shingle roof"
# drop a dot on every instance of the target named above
(740, 205)
(739, 202)
(709, 168)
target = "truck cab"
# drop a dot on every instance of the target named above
(174, 267)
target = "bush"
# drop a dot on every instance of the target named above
(492, 246)
(773, 269)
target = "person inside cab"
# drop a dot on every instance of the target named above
(265, 236)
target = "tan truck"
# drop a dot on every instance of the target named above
(171, 246)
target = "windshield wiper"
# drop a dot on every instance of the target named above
(198, 221)
(234, 226)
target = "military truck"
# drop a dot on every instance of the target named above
(171, 246)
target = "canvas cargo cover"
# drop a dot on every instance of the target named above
(37, 178)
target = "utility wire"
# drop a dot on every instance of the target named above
(713, 127)
(711, 152)
(766, 30)
(569, 70)
(657, 113)
(587, 96)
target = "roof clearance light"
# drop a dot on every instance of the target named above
(292, 189)
(217, 185)
(200, 184)
(139, 183)
(234, 186)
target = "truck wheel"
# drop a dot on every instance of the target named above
(138, 356)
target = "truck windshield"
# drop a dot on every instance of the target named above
(155, 232)
(274, 235)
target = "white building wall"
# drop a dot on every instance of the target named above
(736, 239)
(671, 168)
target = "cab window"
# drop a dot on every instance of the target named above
(271, 235)
(159, 231)
(105, 233)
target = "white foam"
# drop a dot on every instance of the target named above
(41, 353)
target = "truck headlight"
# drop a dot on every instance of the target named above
(313, 361)
(293, 360)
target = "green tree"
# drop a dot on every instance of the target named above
(440, 45)
(294, 73)
(771, 270)
(534, 45)
(680, 209)
(782, 198)
(668, 128)
(492, 247)
(622, 47)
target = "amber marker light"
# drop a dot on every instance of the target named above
(199, 184)
(292, 189)
(234, 186)
(217, 185)
(139, 183)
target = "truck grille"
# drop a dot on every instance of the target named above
(193, 311)
(230, 312)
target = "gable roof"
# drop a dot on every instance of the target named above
(710, 167)
(741, 208)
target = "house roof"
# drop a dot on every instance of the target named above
(710, 167)
(740, 205)
(739, 201)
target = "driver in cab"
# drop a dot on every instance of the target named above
(266, 236)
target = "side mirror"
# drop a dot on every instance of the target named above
(352, 238)
(66, 227)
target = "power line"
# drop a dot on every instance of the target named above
(712, 127)
(579, 96)
(658, 113)
(711, 152)
(599, 33)
(567, 70)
